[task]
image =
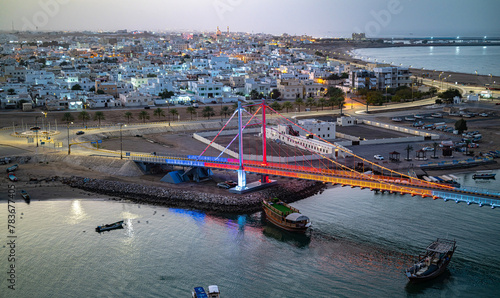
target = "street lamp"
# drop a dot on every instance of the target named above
(69, 147)
(121, 140)
(36, 128)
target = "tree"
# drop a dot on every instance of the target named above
(408, 149)
(99, 116)
(276, 106)
(374, 98)
(128, 115)
(254, 94)
(92, 89)
(151, 75)
(449, 94)
(333, 77)
(67, 117)
(208, 112)
(299, 102)
(225, 111)
(159, 113)
(321, 102)
(100, 91)
(275, 94)
(287, 105)
(174, 113)
(334, 92)
(432, 91)
(461, 125)
(402, 94)
(84, 116)
(143, 115)
(310, 102)
(191, 111)
(11, 91)
(341, 102)
(251, 107)
(333, 101)
(76, 87)
(318, 53)
(166, 94)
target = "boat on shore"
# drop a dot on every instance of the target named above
(433, 262)
(213, 292)
(285, 216)
(484, 176)
(25, 196)
(12, 168)
(397, 119)
(109, 227)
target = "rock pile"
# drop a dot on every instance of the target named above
(289, 191)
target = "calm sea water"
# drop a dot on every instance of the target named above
(359, 245)
(466, 59)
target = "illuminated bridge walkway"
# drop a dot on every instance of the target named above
(325, 168)
(411, 186)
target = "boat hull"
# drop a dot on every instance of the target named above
(280, 222)
(438, 272)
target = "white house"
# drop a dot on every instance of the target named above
(206, 88)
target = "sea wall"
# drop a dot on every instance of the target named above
(288, 191)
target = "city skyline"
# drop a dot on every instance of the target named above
(320, 18)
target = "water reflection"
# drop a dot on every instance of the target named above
(77, 214)
(296, 239)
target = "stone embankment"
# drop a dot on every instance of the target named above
(288, 191)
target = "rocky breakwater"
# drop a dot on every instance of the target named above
(288, 191)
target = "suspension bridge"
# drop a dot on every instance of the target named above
(306, 161)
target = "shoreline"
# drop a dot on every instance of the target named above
(468, 79)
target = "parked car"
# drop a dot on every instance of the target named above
(226, 184)
(483, 115)
(80, 132)
(428, 149)
(379, 157)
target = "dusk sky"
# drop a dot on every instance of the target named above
(320, 18)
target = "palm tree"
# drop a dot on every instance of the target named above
(225, 111)
(99, 116)
(174, 112)
(191, 111)
(128, 115)
(143, 115)
(310, 102)
(159, 113)
(333, 101)
(68, 117)
(84, 116)
(321, 102)
(287, 105)
(276, 106)
(341, 102)
(299, 102)
(208, 112)
(408, 149)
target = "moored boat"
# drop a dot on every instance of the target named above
(12, 168)
(433, 262)
(484, 176)
(109, 227)
(213, 292)
(25, 196)
(285, 216)
(397, 119)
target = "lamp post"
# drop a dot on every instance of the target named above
(121, 141)
(69, 146)
(168, 112)
(36, 129)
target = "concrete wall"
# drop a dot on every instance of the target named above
(412, 131)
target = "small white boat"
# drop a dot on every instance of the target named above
(396, 119)
(418, 116)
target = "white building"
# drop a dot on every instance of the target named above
(260, 86)
(206, 88)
